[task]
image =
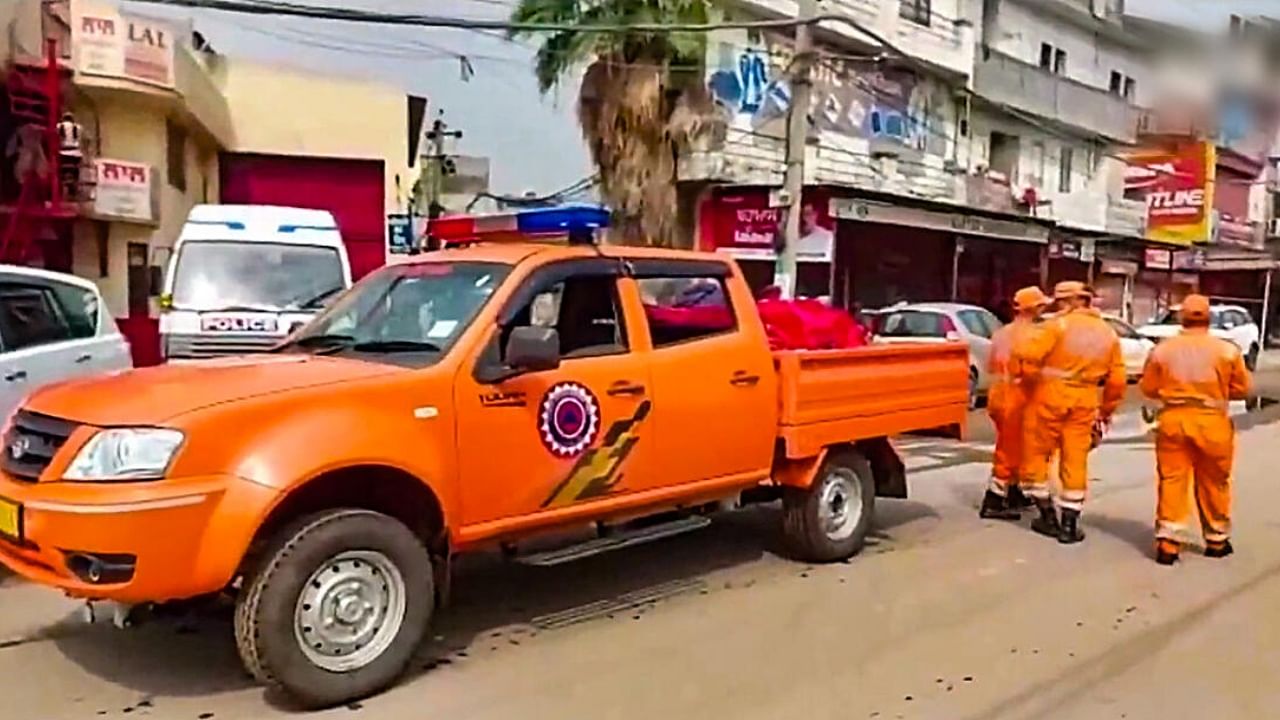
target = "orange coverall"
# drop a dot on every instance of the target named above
(1194, 375)
(1068, 360)
(1007, 401)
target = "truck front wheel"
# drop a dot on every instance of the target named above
(829, 520)
(337, 608)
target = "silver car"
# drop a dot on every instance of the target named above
(943, 322)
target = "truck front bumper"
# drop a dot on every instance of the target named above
(130, 542)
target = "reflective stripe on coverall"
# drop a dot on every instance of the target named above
(1075, 354)
(1194, 375)
(1007, 401)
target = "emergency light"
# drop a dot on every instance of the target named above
(577, 222)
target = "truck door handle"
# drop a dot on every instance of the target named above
(624, 387)
(16, 376)
(742, 379)
(84, 358)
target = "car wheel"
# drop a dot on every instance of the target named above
(829, 520)
(1251, 359)
(338, 607)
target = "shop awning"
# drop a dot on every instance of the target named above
(957, 220)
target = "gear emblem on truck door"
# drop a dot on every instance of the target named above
(569, 419)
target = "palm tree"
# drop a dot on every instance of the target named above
(642, 102)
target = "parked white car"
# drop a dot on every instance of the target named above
(52, 327)
(1133, 346)
(1229, 322)
(943, 322)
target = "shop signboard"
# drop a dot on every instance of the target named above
(746, 225)
(122, 191)
(1157, 259)
(399, 234)
(1175, 181)
(1189, 259)
(108, 42)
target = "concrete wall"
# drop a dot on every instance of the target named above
(285, 111)
(136, 132)
(1019, 29)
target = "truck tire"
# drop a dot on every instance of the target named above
(337, 607)
(829, 520)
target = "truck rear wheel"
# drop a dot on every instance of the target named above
(829, 520)
(337, 608)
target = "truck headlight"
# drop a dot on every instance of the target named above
(125, 454)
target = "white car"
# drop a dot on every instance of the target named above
(1229, 322)
(52, 327)
(1133, 346)
(943, 322)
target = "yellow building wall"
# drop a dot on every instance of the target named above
(124, 129)
(286, 111)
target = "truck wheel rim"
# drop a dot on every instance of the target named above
(350, 610)
(840, 506)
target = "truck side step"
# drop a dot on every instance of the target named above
(620, 539)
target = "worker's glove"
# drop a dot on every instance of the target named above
(1099, 429)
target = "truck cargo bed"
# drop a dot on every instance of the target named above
(828, 397)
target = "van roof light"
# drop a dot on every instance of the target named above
(578, 222)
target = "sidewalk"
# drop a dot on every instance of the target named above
(1269, 360)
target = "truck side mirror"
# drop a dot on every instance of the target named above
(533, 349)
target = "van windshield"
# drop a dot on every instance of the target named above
(226, 275)
(406, 314)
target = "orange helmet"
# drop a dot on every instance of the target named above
(1195, 308)
(1029, 298)
(1070, 289)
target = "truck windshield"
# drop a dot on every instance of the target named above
(403, 312)
(218, 275)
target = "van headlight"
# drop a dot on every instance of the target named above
(125, 454)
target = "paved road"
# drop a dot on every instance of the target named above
(943, 616)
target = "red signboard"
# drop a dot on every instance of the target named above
(743, 224)
(1175, 183)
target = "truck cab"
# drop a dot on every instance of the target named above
(242, 277)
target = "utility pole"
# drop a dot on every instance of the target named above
(797, 139)
(440, 162)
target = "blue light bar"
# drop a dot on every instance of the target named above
(297, 228)
(229, 224)
(561, 219)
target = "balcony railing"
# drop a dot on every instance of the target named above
(1036, 91)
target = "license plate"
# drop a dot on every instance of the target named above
(10, 519)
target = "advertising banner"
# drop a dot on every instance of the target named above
(1176, 182)
(108, 42)
(744, 225)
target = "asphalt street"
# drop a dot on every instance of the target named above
(942, 616)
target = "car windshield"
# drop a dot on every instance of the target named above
(218, 275)
(404, 312)
(1170, 317)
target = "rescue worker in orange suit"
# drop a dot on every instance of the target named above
(1193, 376)
(1006, 404)
(1074, 355)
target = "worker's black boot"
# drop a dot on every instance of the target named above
(1070, 531)
(994, 507)
(1047, 523)
(1218, 550)
(1017, 499)
(1164, 557)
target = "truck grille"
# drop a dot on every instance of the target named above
(31, 443)
(208, 346)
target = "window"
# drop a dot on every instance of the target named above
(1117, 83)
(1123, 330)
(584, 310)
(1130, 89)
(1064, 169)
(80, 308)
(682, 309)
(1046, 56)
(917, 11)
(915, 323)
(1003, 155)
(979, 322)
(176, 154)
(29, 316)
(1060, 61)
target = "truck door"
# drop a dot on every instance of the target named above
(713, 380)
(539, 443)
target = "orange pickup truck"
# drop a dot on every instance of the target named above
(473, 398)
